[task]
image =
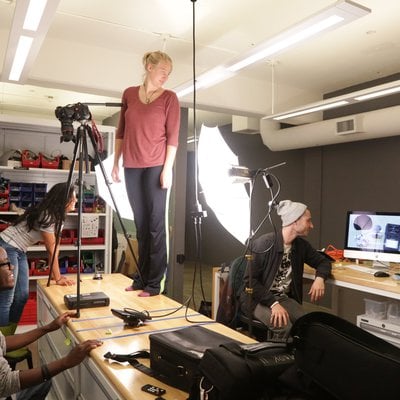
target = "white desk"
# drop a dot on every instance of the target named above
(358, 281)
(341, 278)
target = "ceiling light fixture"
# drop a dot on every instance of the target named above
(209, 78)
(312, 110)
(34, 14)
(329, 18)
(384, 89)
(31, 21)
(21, 54)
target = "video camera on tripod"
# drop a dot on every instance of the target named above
(67, 115)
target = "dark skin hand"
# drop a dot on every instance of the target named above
(31, 377)
(22, 339)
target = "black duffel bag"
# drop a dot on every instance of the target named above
(235, 371)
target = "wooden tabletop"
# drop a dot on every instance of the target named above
(99, 323)
(346, 277)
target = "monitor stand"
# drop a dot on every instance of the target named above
(380, 265)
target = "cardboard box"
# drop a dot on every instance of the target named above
(66, 164)
(129, 267)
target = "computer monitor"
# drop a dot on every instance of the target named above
(372, 235)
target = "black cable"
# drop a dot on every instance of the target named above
(198, 213)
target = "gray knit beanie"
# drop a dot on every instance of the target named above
(290, 211)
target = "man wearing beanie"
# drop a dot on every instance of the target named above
(277, 271)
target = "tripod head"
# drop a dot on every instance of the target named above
(67, 115)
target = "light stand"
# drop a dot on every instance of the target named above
(198, 213)
(244, 173)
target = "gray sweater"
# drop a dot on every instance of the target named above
(9, 380)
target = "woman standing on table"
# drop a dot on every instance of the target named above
(39, 223)
(147, 138)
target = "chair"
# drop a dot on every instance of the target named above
(229, 312)
(16, 356)
(254, 327)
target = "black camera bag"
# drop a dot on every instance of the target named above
(335, 357)
(236, 372)
(176, 355)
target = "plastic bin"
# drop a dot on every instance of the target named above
(29, 315)
(393, 312)
(30, 159)
(49, 162)
(376, 309)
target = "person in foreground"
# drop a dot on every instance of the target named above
(33, 383)
(39, 223)
(277, 271)
(147, 138)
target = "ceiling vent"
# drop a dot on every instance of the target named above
(348, 126)
(369, 125)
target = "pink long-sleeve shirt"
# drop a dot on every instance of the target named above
(147, 129)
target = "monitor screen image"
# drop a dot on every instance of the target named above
(372, 235)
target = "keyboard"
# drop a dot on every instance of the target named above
(356, 267)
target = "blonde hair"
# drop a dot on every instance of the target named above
(154, 57)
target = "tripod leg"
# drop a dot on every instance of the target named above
(108, 184)
(59, 226)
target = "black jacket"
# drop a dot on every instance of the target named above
(268, 253)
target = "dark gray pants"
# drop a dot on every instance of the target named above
(148, 202)
(294, 309)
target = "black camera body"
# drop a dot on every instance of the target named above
(67, 115)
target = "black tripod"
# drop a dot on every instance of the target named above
(81, 151)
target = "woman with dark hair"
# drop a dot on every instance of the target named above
(39, 223)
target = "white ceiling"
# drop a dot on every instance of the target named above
(93, 50)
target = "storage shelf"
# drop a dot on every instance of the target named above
(18, 135)
(67, 247)
(41, 170)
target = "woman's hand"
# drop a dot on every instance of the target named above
(65, 281)
(115, 174)
(166, 178)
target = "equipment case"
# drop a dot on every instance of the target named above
(177, 354)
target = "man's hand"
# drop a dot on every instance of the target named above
(79, 352)
(317, 289)
(60, 321)
(279, 316)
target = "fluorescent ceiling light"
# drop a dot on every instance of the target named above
(21, 54)
(311, 110)
(378, 94)
(34, 14)
(32, 18)
(284, 41)
(329, 18)
(384, 89)
(209, 78)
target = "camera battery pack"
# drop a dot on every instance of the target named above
(86, 300)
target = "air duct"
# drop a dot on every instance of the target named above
(369, 125)
(245, 124)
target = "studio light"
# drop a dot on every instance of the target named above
(229, 200)
(118, 188)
